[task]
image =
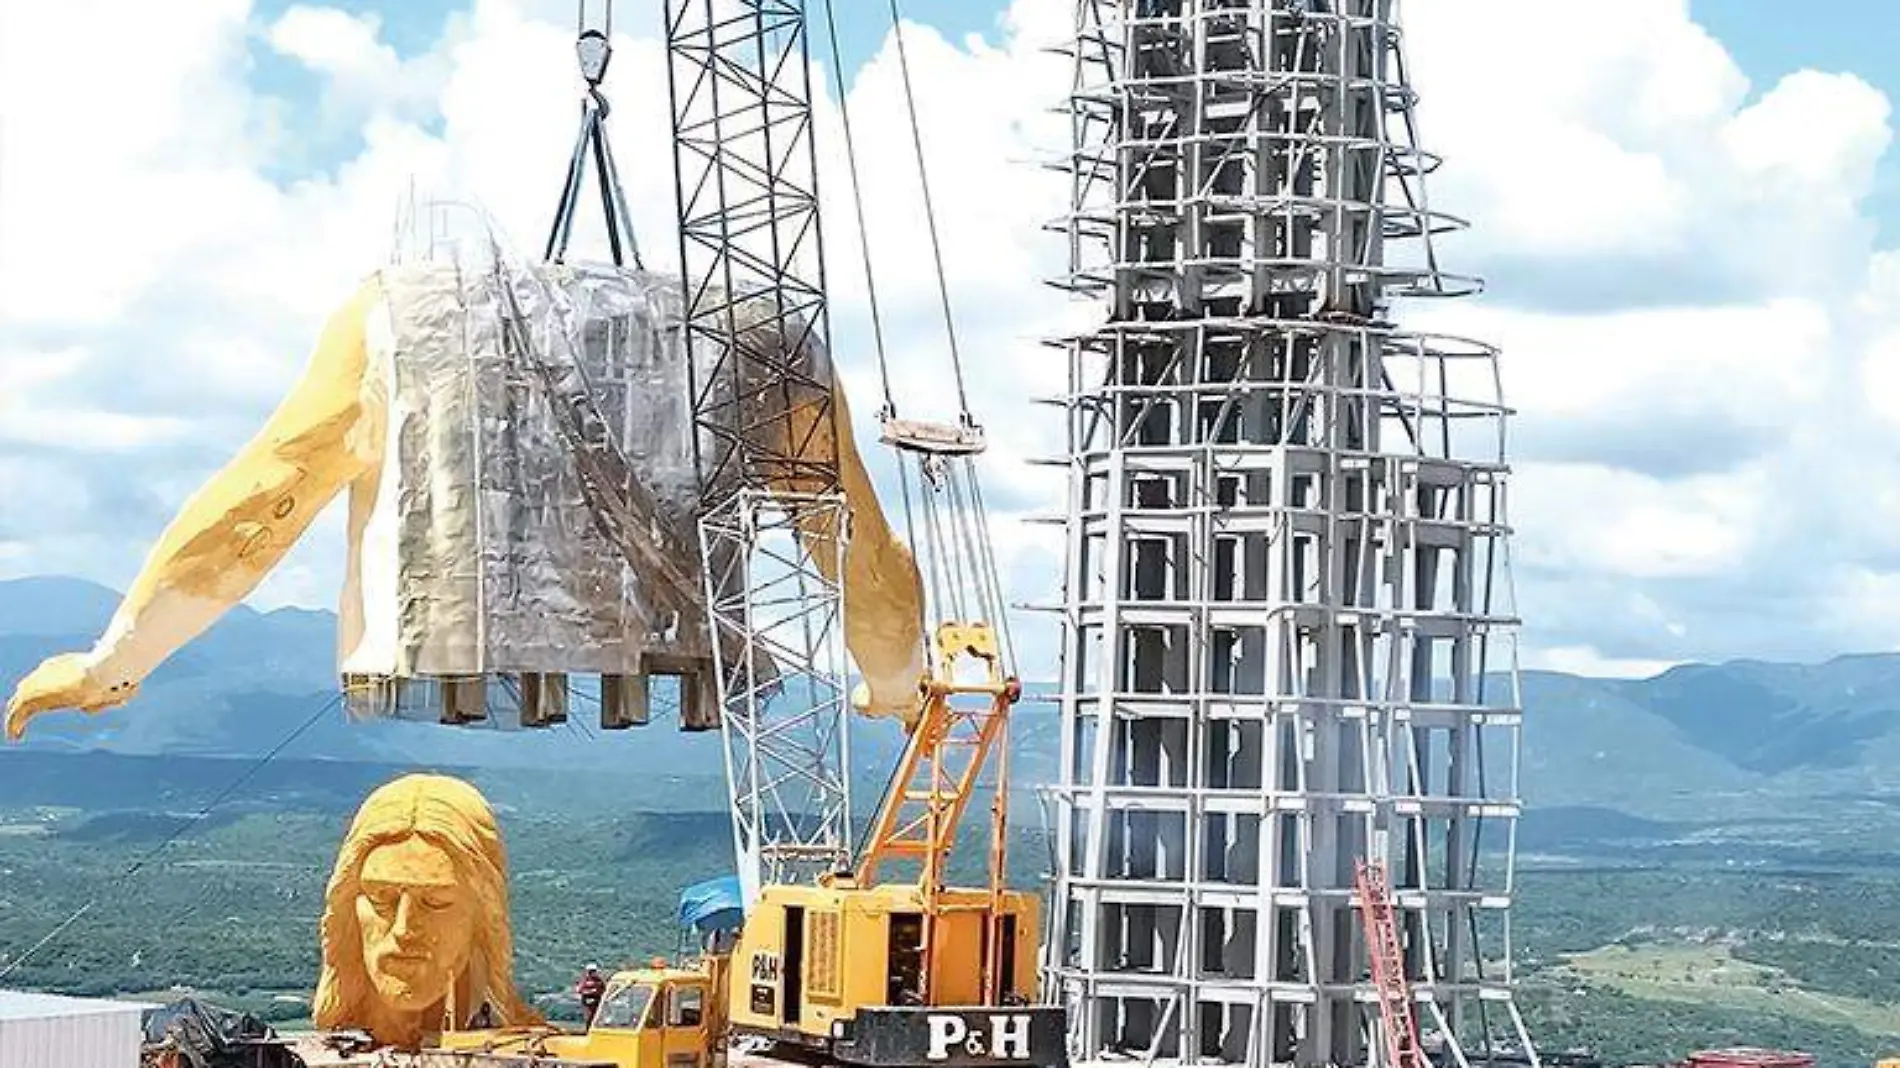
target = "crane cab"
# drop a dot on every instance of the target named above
(841, 969)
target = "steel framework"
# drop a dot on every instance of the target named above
(746, 180)
(750, 248)
(787, 745)
(1288, 644)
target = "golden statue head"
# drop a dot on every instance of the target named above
(415, 932)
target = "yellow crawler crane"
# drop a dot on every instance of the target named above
(914, 972)
(853, 971)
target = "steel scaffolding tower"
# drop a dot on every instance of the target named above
(746, 176)
(1288, 644)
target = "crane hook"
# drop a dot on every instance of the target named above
(594, 45)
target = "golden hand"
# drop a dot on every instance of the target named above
(63, 681)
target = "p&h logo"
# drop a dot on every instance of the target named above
(1007, 1037)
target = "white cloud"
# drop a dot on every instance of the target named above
(1750, 363)
(1630, 167)
(363, 72)
(1582, 660)
(1695, 323)
(1812, 134)
(1880, 376)
(86, 160)
(1632, 526)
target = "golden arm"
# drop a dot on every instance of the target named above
(883, 592)
(232, 532)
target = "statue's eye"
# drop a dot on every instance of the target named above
(436, 902)
(382, 897)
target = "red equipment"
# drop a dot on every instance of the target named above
(1388, 972)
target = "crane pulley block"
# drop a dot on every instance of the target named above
(970, 641)
(937, 439)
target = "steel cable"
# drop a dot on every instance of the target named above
(222, 796)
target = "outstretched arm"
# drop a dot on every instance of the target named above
(883, 592)
(232, 532)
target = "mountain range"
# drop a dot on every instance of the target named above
(1745, 735)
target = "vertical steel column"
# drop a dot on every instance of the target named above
(1286, 613)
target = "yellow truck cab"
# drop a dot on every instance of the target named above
(659, 1016)
(654, 1017)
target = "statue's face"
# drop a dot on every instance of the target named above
(416, 921)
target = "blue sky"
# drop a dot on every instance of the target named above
(1771, 39)
(1768, 38)
(861, 23)
(412, 26)
(1697, 293)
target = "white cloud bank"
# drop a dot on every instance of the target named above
(1702, 341)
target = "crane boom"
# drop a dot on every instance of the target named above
(751, 255)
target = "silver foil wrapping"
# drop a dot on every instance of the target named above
(537, 512)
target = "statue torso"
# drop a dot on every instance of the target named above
(508, 412)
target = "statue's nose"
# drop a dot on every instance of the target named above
(402, 929)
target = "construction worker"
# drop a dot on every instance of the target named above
(588, 990)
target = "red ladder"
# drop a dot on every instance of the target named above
(1388, 968)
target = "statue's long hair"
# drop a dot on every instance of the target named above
(450, 815)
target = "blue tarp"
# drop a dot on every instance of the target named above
(714, 905)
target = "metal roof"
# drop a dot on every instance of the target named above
(24, 1005)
